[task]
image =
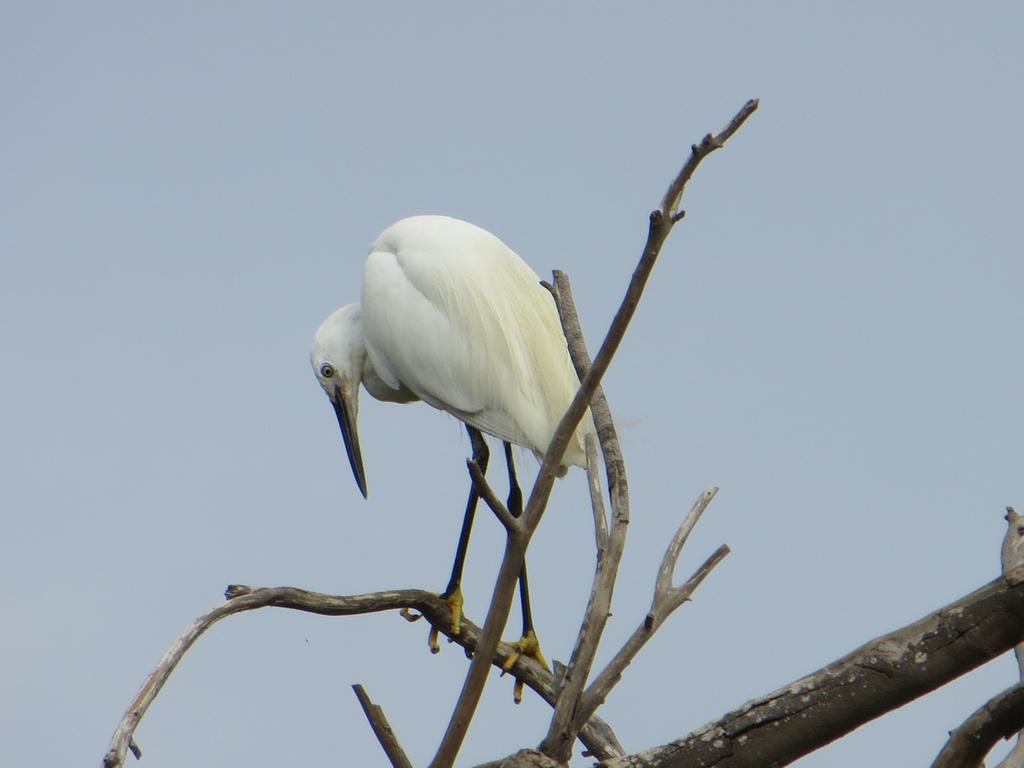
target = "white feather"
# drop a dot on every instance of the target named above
(454, 316)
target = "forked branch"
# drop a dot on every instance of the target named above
(661, 223)
(667, 598)
(567, 715)
(876, 678)
(484, 490)
(486, 642)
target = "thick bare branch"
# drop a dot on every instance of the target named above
(597, 736)
(878, 677)
(382, 729)
(524, 758)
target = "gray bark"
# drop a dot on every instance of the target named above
(878, 677)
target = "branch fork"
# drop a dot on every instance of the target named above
(512, 524)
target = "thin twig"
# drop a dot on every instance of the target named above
(486, 493)
(670, 203)
(597, 736)
(581, 361)
(382, 729)
(667, 598)
(596, 499)
(663, 587)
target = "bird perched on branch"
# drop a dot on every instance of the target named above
(451, 316)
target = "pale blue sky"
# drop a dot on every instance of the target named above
(833, 337)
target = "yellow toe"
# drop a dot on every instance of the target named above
(455, 602)
(432, 641)
(528, 645)
(517, 692)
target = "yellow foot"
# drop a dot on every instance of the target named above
(454, 601)
(529, 646)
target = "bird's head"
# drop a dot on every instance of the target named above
(337, 358)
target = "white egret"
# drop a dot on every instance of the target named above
(451, 316)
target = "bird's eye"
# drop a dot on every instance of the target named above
(327, 370)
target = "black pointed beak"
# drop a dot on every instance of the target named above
(342, 402)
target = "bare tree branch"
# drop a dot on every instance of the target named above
(666, 599)
(558, 741)
(484, 490)
(596, 499)
(878, 677)
(597, 736)
(476, 677)
(998, 718)
(661, 223)
(670, 203)
(519, 534)
(1011, 556)
(664, 591)
(382, 729)
(524, 758)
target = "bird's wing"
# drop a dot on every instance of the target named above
(454, 315)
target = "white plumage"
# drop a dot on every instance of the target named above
(450, 315)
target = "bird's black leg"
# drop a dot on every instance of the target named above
(528, 644)
(453, 592)
(515, 506)
(515, 495)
